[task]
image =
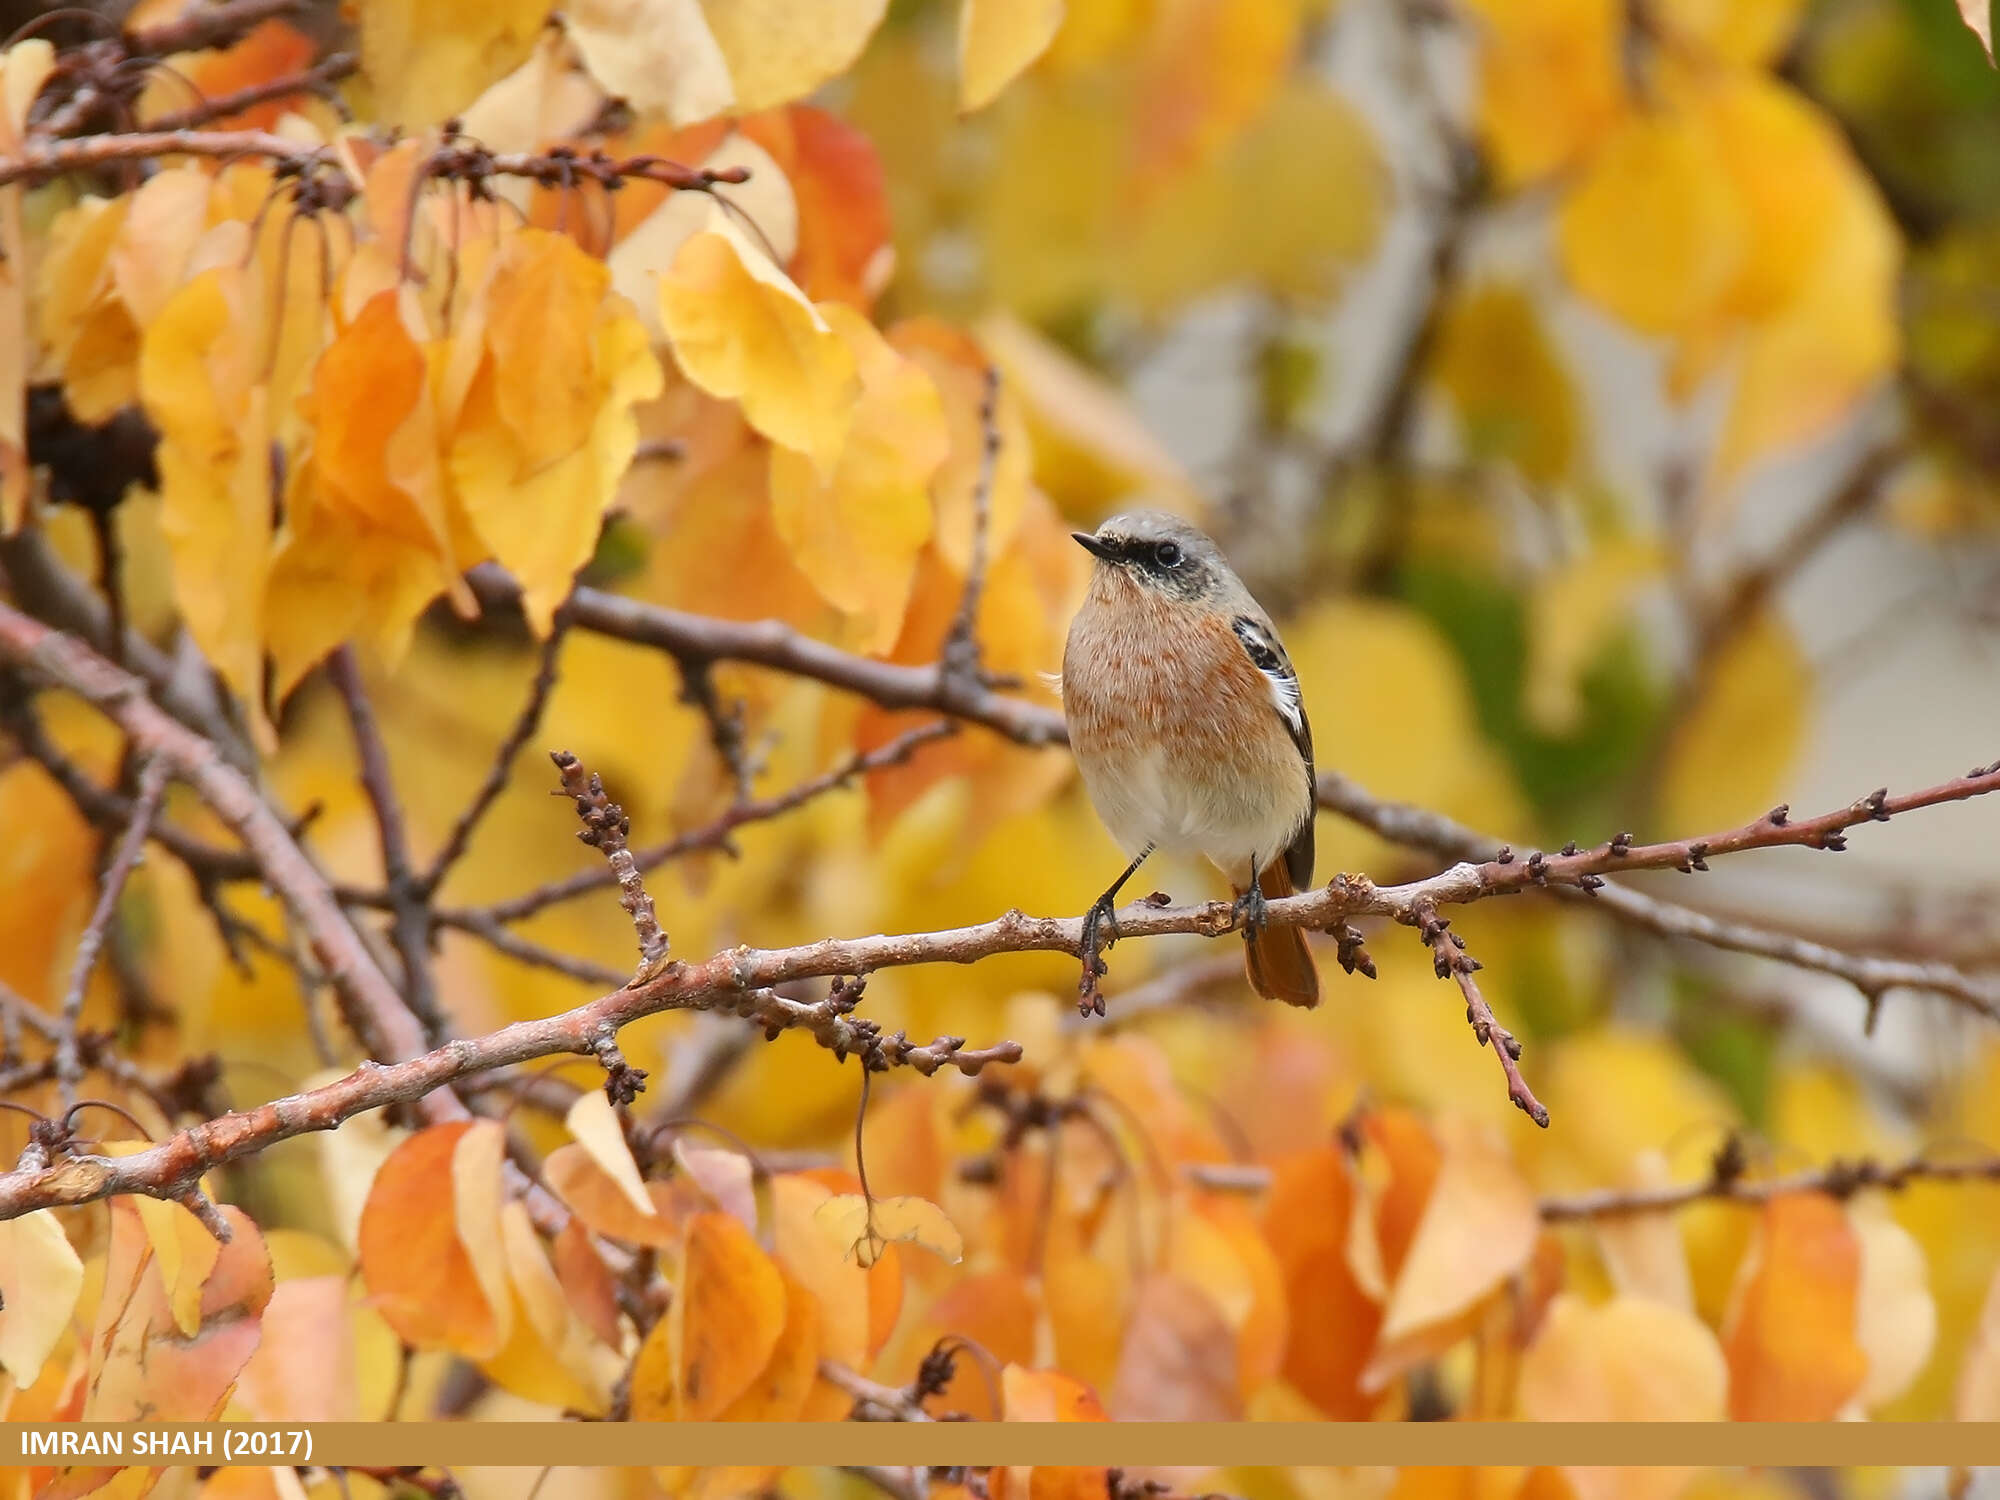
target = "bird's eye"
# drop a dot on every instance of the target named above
(1168, 554)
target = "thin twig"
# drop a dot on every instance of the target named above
(152, 788)
(525, 724)
(1453, 962)
(409, 911)
(960, 656)
(1726, 1184)
(605, 828)
(370, 1004)
(711, 836)
(207, 26)
(317, 80)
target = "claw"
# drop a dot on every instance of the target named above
(1248, 908)
(1100, 931)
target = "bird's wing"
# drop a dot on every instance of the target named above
(1267, 655)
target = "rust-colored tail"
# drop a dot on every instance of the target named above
(1277, 959)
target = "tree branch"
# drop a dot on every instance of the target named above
(370, 1003)
(152, 788)
(410, 912)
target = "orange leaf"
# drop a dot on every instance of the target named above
(586, 1282)
(779, 1392)
(844, 252)
(414, 1251)
(1333, 1319)
(1047, 1396)
(576, 1177)
(1790, 1337)
(266, 52)
(732, 1310)
(142, 1364)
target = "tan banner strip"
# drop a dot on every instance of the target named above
(1838, 1444)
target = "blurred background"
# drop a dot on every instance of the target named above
(1600, 395)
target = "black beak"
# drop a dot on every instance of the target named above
(1092, 545)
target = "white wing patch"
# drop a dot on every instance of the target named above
(1269, 658)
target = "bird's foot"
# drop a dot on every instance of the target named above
(1248, 908)
(1100, 931)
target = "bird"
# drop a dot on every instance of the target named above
(1190, 734)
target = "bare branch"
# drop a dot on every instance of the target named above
(318, 80)
(410, 913)
(713, 835)
(218, 25)
(523, 730)
(152, 788)
(1453, 962)
(768, 643)
(372, 1008)
(605, 828)
(1727, 1184)
(960, 656)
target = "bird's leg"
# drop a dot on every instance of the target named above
(1249, 907)
(1103, 914)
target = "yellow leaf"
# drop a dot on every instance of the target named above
(1790, 1335)
(1512, 392)
(1209, 68)
(1551, 81)
(550, 1358)
(1654, 233)
(1730, 752)
(1895, 1319)
(657, 55)
(1189, 237)
(40, 1278)
(1806, 366)
(1090, 447)
(997, 40)
(1746, 33)
(742, 331)
(163, 223)
(23, 70)
(184, 1252)
(1628, 1360)
(959, 367)
(535, 494)
(1791, 168)
(197, 366)
(429, 59)
(781, 50)
(1572, 615)
(596, 1127)
(1478, 1227)
(869, 1227)
(857, 535)
(92, 342)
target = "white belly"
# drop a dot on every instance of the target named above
(1225, 820)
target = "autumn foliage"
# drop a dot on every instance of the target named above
(706, 389)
